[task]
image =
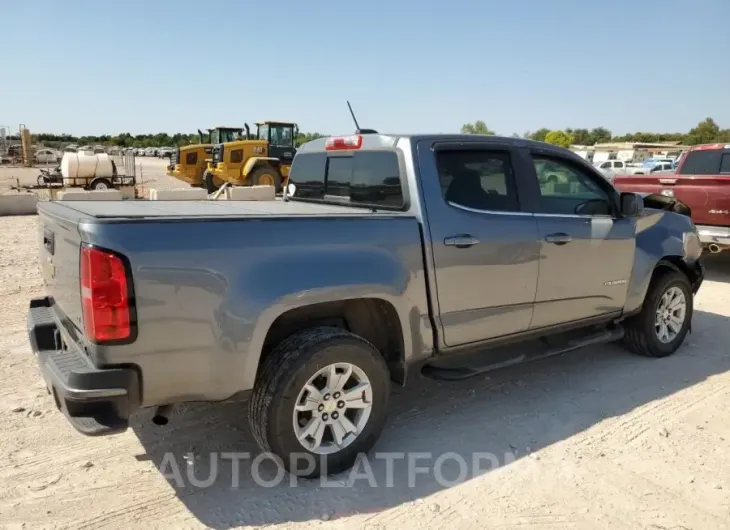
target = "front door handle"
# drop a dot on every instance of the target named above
(558, 239)
(461, 241)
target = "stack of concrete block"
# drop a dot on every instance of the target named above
(80, 194)
(18, 204)
(251, 193)
(178, 194)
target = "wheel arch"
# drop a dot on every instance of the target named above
(668, 263)
(374, 318)
(257, 161)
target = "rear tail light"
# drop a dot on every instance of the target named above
(105, 296)
(337, 143)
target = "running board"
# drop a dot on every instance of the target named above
(459, 367)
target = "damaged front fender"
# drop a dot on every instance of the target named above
(656, 201)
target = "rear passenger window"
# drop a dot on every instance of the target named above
(478, 179)
(725, 163)
(702, 163)
(362, 177)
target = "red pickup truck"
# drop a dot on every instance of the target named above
(702, 182)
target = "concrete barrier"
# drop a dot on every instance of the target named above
(83, 195)
(127, 192)
(251, 193)
(179, 194)
(19, 204)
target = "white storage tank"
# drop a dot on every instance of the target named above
(78, 169)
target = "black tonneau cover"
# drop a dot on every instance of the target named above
(124, 210)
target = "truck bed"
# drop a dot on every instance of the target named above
(203, 274)
(139, 210)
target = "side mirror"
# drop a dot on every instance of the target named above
(631, 204)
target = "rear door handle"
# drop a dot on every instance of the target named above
(461, 241)
(558, 239)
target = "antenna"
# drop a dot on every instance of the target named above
(358, 130)
(357, 126)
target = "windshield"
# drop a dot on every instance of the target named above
(281, 135)
(219, 136)
(263, 132)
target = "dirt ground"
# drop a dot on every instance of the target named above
(599, 439)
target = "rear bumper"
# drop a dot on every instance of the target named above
(720, 235)
(95, 401)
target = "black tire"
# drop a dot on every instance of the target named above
(100, 184)
(282, 376)
(640, 336)
(209, 183)
(256, 174)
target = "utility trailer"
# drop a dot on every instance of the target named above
(121, 175)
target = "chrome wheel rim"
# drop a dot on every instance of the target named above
(266, 180)
(670, 315)
(333, 408)
(100, 186)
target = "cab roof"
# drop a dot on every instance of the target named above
(710, 147)
(274, 122)
(380, 141)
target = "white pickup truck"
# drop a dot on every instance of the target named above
(611, 168)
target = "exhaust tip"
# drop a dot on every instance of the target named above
(161, 415)
(714, 248)
(160, 420)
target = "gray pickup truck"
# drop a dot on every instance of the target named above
(445, 254)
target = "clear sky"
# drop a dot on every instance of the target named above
(102, 66)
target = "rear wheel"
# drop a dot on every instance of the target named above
(266, 176)
(209, 183)
(661, 327)
(320, 400)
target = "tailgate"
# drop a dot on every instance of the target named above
(60, 242)
(708, 196)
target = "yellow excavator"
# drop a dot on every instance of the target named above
(261, 159)
(188, 163)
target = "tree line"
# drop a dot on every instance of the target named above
(129, 140)
(705, 132)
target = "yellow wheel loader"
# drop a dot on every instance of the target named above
(188, 163)
(263, 159)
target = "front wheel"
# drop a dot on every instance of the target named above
(320, 400)
(266, 176)
(209, 183)
(665, 318)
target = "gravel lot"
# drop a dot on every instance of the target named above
(599, 438)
